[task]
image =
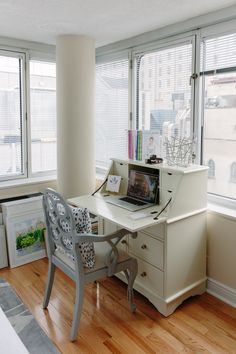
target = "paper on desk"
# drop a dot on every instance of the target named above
(136, 216)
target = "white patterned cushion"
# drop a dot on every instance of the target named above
(83, 225)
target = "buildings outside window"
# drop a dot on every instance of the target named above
(211, 171)
(233, 172)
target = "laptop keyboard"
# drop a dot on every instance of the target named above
(132, 201)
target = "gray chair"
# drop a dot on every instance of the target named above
(70, 247)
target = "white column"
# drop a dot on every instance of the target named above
(75, 114)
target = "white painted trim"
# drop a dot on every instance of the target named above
(169, 42)
(218, 200)
(220, 29)
(21, 44)
(222, 292)
(217, 209)
(186, 290)
(119, 55)
(26, 181)
(195, 23)
(187, 215)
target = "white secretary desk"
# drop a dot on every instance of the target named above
(171, 251)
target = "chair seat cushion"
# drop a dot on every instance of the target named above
(100, 259)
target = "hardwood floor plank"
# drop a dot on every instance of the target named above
(202, 324)
(197, 340)
(170, 344)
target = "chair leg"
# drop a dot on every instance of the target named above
(77, 310)
(130, 274)
(48, 290)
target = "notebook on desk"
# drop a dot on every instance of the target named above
(142, 192)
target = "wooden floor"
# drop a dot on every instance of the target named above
(201, 324)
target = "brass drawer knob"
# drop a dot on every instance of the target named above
(124, 242)
(143, 274)
(144, 247)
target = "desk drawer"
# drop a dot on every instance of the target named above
(156, 231)
(147, 248)
(150, 278)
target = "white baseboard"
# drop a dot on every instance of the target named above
(221, 291)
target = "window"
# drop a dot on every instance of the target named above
(218, 72)
(43, 116)
(11, 116)
(111, 111)
(211, 171)
(171, 112)
(165, 98)
(27, 146)
(233, 172)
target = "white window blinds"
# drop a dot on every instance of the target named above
(11, 126)
(43, 116)
(218, 53)
(218, 73)
(111, 111)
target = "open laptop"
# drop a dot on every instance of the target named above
(142, 192)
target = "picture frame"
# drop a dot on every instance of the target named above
(113, 183)
(151, 143)
(25, 238)
(3, 248)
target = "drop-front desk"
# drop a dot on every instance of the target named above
(171, 251)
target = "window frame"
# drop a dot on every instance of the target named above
(26, 55)
(46, 59)
(217, 30)
(20, 55)
(171, 42)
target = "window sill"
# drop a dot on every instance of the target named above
(227, 212)
(27, 181)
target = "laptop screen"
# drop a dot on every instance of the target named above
(143, 186)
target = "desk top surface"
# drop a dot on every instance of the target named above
(132, 221)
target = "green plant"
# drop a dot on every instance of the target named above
(28, 239)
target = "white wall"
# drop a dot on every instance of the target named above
(221, 256)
